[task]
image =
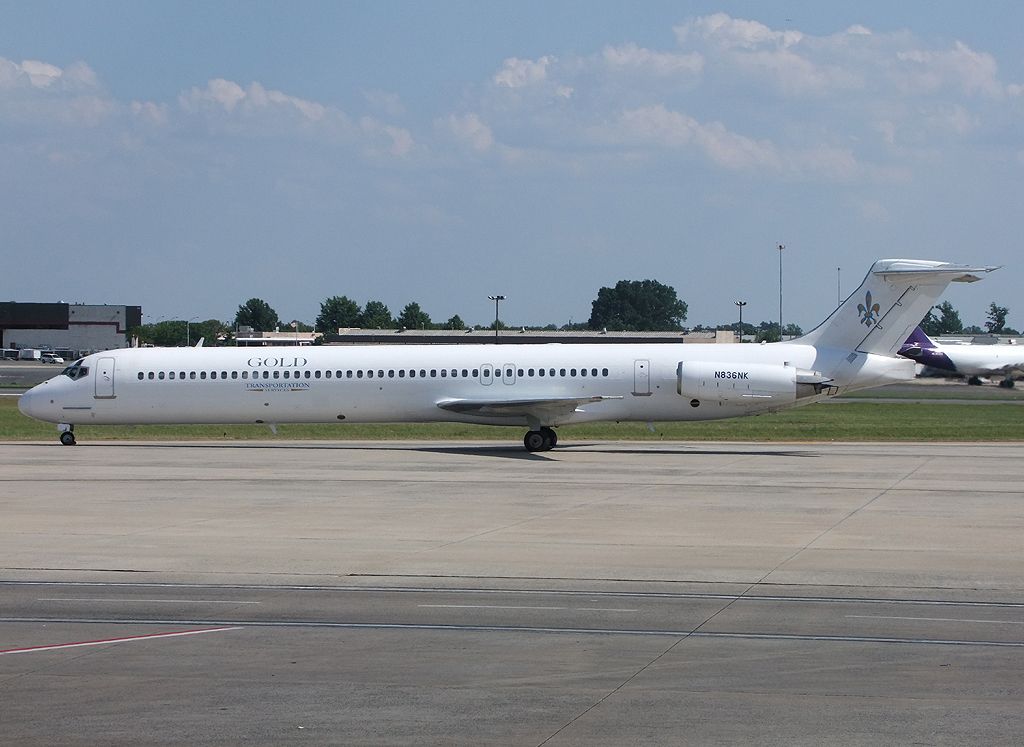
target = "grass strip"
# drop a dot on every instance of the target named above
(853, 421)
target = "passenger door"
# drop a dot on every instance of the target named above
(105, 378)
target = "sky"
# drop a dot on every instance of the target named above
(187, 156)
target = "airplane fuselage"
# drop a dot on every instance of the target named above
(411, 383)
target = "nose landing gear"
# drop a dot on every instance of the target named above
(543, 439)
(67, 434)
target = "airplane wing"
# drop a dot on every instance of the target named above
(542, 409)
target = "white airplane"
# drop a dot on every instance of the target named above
(540, 386)
(969, 360)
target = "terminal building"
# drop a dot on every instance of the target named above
(71, 329)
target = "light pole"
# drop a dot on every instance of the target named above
(497, 300)
(740, 305)
(839, 287)
(781, 247)
(188, 331)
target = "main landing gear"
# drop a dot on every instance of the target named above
(543, 439)
(67, 434)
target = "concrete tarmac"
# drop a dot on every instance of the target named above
(472, 593)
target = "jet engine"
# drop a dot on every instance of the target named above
(709, 381)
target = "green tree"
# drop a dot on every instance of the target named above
(258, 314)
(376, 316)
(337, 312)
(768, 332)
(413, 317)
(637, 305)
(455, 323)
(212, 331)
(946, 322)
(996, 318)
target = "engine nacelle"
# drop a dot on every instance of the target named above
(747, 382)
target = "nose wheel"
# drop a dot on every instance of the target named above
(543, 439)
(67, 437)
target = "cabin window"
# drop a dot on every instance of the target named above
(245, 374)
(521, 374)
(476, 372)
(593, 372)
(202, 374)
(349, 374)
(561, 372)
(391, 373)
(529, 372)
(266, 374)
(433, 373)
(337, 375)
(359, 374)
(192, 374)
(181, 375)
(234, 374)
(572, 371)
(369, 373)
(412, 373)
(287, 375)
(541, 372)
(141, 376)
(423, 373)
(444, 373)
(160, 376)
(316, 374)
(171, 376)
(380, 373)
(604, 371)
(401, 373)
(223, 374)
(327, 374)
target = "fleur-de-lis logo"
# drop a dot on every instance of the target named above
(868, 311)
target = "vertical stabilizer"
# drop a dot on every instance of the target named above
(888, 305)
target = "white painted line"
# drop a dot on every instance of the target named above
(143, 601)
(940, 619)
(107, 641)
(520, 607)
(488, 607)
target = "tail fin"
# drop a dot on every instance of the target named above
(892, 300)
(918, 339)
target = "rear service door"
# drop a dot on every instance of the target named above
(105, 378)
(642, 378)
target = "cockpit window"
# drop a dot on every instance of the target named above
(76, 370)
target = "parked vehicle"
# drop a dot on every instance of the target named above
(51, 358)
(30, 354)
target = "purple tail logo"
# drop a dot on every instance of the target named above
(868, 311)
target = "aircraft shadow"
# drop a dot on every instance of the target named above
(504, 451)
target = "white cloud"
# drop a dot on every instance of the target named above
(633, 57)
(229, 96)
(34, 74)
(727, 32)
(41, 74)
(660, 127)
(973, 73)
(517, 73)
(471, 130)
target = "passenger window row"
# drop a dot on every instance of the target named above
(401, 373)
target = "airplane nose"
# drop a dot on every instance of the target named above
(31, 403)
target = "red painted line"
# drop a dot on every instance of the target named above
(106, 641)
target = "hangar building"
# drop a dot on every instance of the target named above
(79, 328)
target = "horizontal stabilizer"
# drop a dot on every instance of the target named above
(893, 299)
